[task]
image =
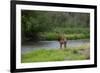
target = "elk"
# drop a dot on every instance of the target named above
(62, 40)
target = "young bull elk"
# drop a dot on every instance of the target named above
(62, 40)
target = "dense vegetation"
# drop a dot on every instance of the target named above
(45, 25)
(43, 55)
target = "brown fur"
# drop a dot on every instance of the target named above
(62, 41)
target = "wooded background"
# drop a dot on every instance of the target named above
(39, 25)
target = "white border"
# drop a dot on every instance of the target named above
(20, 65)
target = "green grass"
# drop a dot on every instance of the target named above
(53, 36)
(44, 55)
(70, 33)
(73, 30)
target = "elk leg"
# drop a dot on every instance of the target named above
(61, 45)
(65, 44)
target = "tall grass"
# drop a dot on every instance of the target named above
(72, 30)
(53, 36)
(70, 33)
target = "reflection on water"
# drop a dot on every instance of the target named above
(50, 45)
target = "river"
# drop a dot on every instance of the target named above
(30, 46)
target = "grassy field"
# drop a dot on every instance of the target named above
(43, 55)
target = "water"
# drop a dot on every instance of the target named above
(50, 45)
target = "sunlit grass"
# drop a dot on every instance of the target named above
(53, 36)
(70, 33)
(69, 53)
